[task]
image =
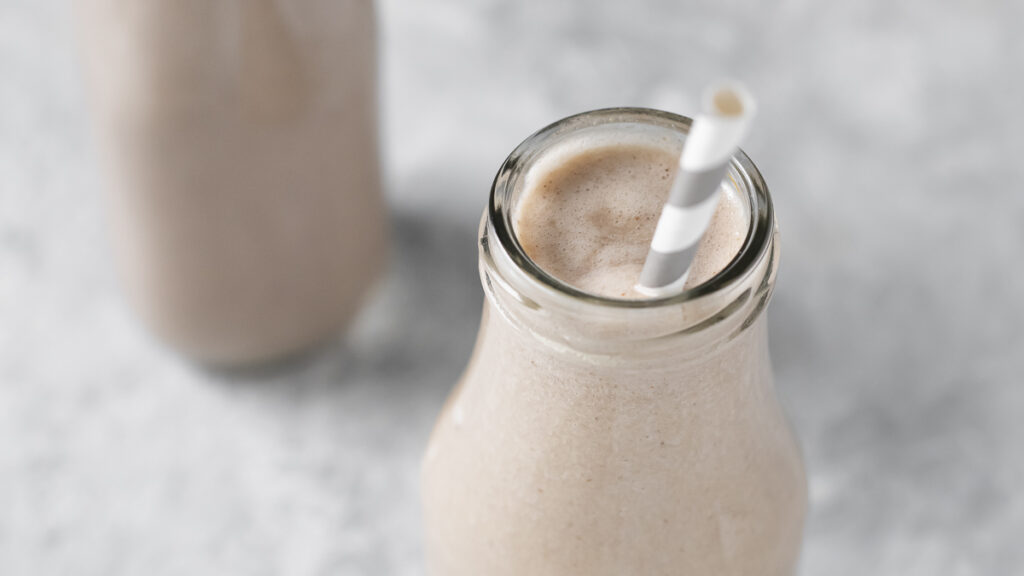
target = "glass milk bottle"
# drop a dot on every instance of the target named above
(240, 144)
(601, 436)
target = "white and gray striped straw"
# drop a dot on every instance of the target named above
(713, 139)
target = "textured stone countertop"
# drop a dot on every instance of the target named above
(890, 133)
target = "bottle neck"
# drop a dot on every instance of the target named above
(673, 330)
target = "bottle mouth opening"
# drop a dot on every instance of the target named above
(508, 182)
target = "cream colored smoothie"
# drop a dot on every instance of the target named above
(598, 433)
(610, 194)
(240, 145)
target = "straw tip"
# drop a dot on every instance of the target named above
(729, 98)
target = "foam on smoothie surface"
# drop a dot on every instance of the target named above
(589, 208)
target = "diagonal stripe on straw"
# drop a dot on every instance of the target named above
(693, 198)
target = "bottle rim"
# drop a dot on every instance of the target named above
(499, 215)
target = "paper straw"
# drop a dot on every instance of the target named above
(713, 139)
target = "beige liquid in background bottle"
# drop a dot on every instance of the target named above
(240, 144)
(600, 437)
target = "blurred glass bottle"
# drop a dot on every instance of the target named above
(240, 144)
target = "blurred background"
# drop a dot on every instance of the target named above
(890, 135)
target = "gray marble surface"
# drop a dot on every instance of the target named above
(890, 134)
